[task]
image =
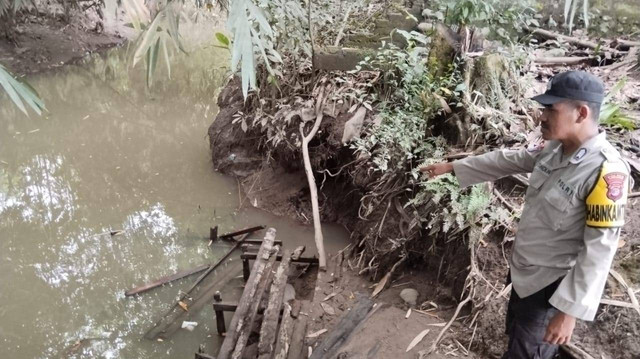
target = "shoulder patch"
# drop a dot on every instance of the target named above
(607, 200)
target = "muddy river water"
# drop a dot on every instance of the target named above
(112, 155)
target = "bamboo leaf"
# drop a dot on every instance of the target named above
(152, 60)
(20, 92)
(418, 339)
(165, 51)
(223, 39)
(148, 39)
(257, 14)
(7, 84)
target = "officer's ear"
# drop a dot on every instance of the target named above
(583, 110)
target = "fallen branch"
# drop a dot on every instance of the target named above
(164, 280)
(313, 188)
(625, 44)
(569, 39)
(565, 61)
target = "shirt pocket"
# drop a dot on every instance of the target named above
(554, 208)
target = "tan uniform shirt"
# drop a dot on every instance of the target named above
(570, 224)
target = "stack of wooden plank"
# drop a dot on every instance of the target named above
(266, 283)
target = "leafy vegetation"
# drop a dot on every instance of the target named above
(611, 114)
(20, 92)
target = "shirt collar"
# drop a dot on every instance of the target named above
(587, 147)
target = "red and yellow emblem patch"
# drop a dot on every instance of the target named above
(615, 185)
(606, 202)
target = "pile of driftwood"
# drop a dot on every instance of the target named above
(213, 276)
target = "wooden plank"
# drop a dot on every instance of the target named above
(343, 329)
(284, 334)
(242, 231)
(247, 322)
(269, 329)
(164, 280)
(252, 256)
(296, 346)
(248, 295)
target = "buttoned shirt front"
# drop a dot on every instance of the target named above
(553, 238)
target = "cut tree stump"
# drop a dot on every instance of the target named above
(271, 316)
(249, 296)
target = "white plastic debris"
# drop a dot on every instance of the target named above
(190, 326)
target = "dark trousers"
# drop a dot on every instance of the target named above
(527, 321)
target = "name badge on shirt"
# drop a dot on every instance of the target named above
(606, 202)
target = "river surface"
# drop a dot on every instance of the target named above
(113, 155)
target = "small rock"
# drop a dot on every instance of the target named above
(409, 295)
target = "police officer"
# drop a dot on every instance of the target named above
(572, 217)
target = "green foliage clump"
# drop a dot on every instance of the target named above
(498, 18)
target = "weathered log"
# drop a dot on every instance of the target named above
(248, 296)
(343, 329)
(268, 331)
(284, 334)
(164, 280)
(565, 61)
(625, 44)
(555, 36)
(246, 325)
(296, 344)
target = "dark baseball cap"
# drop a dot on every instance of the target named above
(572, 85)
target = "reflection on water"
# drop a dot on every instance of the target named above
(112, 156)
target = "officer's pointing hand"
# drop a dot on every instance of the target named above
(560, 329)
(437, 169)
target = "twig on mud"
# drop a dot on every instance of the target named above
(424, 353)
(504, 200)
(472, 336)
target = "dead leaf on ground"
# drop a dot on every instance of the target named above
(183, 305)
(418, 339)
(317, 334)
(328, 309)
